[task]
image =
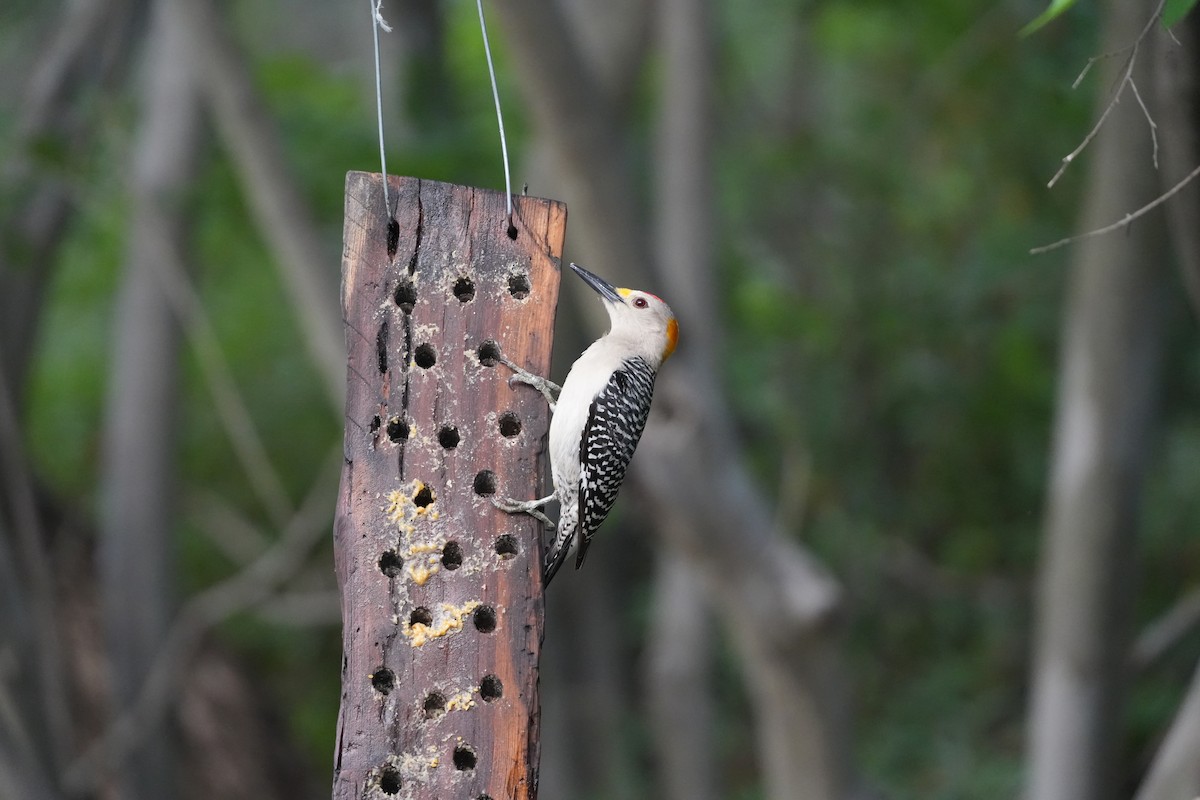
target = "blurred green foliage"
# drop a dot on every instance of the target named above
(891, 346)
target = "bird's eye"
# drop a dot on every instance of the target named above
(640, 302)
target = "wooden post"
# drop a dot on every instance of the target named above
(441, 593)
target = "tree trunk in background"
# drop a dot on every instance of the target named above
(1175, 771)
(1109, 379)
(680, 684)
(137, 479)
(1178, 115)
(679, 645)
(781, 605)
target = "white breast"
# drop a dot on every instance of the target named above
(589, 374)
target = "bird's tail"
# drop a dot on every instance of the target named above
(556, 554)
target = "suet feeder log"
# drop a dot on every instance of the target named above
(442, 604)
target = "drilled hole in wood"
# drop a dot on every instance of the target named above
(452, 555)
(425, 356)
(389, 780)
(393, 236)
(490, 688)
(435, 705)
(420, 616)
(485, 483)
(464, 757)
(448, 437)
(406, 296)
(464, 289)
(484, 619)
(506, 546)
(397, 429)
(384, 680)
(375, 423)
(518, 286)
(489, 353)
(381, 346)
(390, 563)
(510, 425)
(424, 497)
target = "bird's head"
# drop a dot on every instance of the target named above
(638, 316)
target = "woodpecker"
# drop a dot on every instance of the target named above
(599, 415)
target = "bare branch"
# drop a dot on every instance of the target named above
(1149, 119)
(1126, 79)
(1128, 218)
(1070, 157)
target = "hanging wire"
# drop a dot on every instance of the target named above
(377, 22)
(487, 49)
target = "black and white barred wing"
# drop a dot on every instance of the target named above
(614, 425)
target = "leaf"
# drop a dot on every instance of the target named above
(1175, 10)
(1056, 8)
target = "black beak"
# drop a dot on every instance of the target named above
(602, 287)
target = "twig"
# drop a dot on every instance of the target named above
(1070, 157)
(246, 589)
(1149, 119)
(1126, 79)
(1121, 223)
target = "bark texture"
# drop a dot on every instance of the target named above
(441, 592)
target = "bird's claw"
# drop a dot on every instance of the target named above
(530, 507)
(522, 375)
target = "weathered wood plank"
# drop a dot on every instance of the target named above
(441, 593)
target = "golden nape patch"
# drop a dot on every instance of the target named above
(672, 338)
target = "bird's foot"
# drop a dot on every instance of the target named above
(531, 507)
(521, 375)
